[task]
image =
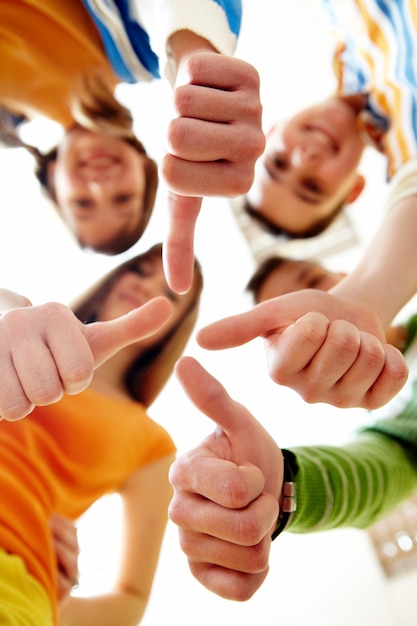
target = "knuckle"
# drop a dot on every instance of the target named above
(311, 392)
(373, 355)
(79, 374)
(260, 557)
(252, 77)
(188, 544)
(177, 136)
(249, 532)
(16, 411)
(345, 339)
(46, 392)
(183, 99)
(175, 511)
(235, 492)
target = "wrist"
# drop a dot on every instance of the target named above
(288, 499)
(183, 43)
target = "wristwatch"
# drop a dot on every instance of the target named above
(288, 500)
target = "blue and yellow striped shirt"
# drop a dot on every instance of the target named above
(376, 54)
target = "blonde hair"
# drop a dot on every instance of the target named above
(148, 375)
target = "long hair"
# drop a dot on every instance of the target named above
(93, 107)
(147, 376)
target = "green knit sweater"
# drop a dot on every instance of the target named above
(356, 484)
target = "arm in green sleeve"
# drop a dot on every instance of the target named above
(353, 485)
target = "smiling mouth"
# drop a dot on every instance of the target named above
(322, 137)
(99, 161)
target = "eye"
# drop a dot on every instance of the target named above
(123, 198)
(82, 203)
(141, 269)
(280, 162)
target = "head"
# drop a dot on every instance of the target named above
(131, 285)
(278, 275)
(100, 177)
(309, 170)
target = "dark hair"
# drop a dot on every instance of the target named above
(264, 269)
(146, 376)
(316, 229)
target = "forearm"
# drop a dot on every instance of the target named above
(183, 43)
(217, 23)
(386, 278)
(353, 485)
(123, 609)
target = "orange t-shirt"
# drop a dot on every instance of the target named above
(61, 459)
(44, 46)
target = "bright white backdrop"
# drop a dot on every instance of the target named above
(323, 579)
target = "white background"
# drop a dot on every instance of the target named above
(325, 579)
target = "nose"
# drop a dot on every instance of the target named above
(100, 187)
(149, 286)
(308, 154)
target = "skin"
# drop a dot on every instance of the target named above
(313, 348)
(226, 491)
(217, 103)
(138, 304)
(64, 537)
(131, 291)
(69, 350)
(99, 184)
(296, 275)
(309, 166)
(225, 500)
(146, 493)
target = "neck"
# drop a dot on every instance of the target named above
(109, 377)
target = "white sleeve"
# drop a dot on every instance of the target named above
(402, 185)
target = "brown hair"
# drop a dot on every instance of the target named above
(149, 373)
(94, 107)
(264, 269)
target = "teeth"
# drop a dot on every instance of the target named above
(98, 162)
(321, 137)
(101, 161)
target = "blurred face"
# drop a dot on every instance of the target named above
(297, 275)
(309, 167)
(139, 284)
(99, 184)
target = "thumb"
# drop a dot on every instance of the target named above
(107, 338)
(178, 250)
(210, 397)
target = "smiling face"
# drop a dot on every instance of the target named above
(309, 167)
(141, 281)
(99, 184)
